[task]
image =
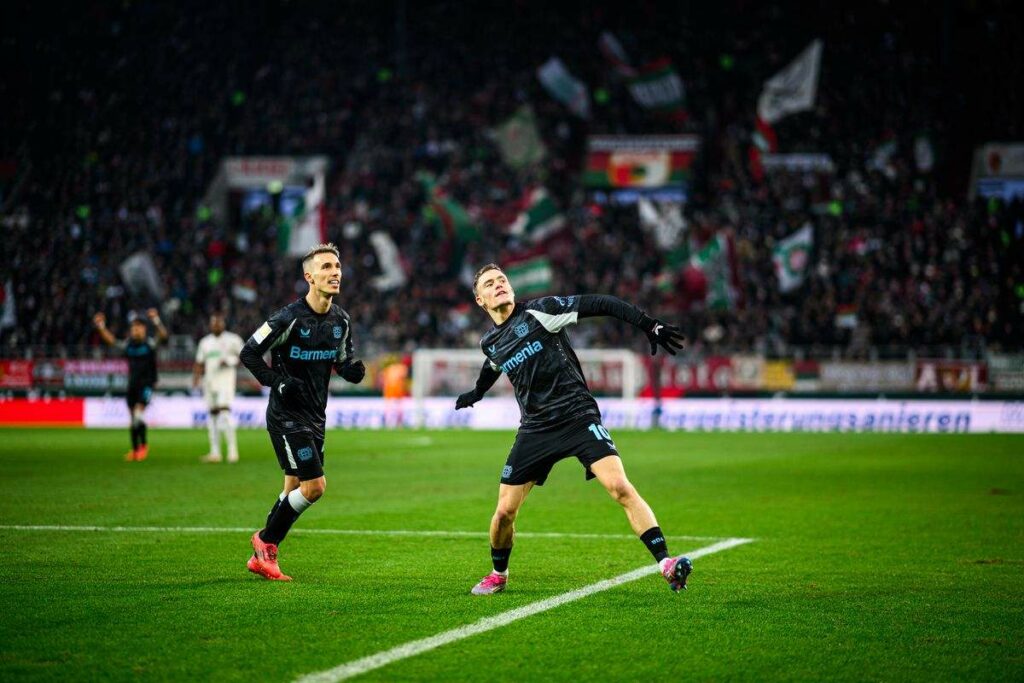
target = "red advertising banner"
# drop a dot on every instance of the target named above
(950, 376)
(21, 412)
(15, 374)
(715, 373)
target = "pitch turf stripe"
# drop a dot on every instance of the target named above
(335, 532)
(416, 647)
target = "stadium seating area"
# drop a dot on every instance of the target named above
(114, 133)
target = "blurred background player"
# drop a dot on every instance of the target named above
(306, 339)
(140, 350)
(560, 417)
(215, 366)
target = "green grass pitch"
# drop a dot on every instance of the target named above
(877, 557)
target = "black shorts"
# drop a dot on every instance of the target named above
(535, 453)
(300, 454)
(140, 393)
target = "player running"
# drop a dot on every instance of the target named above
(306, 339)
(560, 418)
(216, 360)
(140, 350)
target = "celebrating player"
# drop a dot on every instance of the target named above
(560, 418)
(216, 360)
(306, 339)
(140, 351)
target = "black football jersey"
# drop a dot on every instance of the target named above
(533, 349)
(305, 345)
(141, 357)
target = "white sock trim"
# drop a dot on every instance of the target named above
(298, 501)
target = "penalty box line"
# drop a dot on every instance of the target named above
(411, 649)
(335, 532)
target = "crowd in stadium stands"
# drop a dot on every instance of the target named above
(117, 129)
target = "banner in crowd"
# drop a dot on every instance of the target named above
(714, 265)
(564, 87)
(16, 374)
(1006, 373)
(998, 170)
(540, 218)
(716, 414)
(518, 140)
(657, 86)
(791, 258)
(138, 272)
(950, 376)
(392, 274)
(793, 89)
(854, 376)
(639, 161)
(531, 276)
(664, 220)
(96, 375)
(798, 162)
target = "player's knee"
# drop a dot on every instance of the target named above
(622, 491)
(313, 490)
(505, 514)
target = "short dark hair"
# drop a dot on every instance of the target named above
(484, 269)
(327, 248)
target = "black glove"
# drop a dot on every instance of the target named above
(466, 400)
(352, 371)
(289, 389)
(668, 337)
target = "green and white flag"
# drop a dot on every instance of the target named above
(532, 276)
(540, 220)
(658, 86)
(565, 87)
(518, 140)
(715, 261)
(791, 258)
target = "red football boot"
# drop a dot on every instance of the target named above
(264, 560)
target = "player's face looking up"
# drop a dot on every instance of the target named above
(137, 330)
(323, 273)
(493, 290)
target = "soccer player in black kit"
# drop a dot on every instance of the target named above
(560, 418)
(306, 339)
(140, 351)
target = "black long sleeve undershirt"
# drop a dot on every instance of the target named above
(594, 305)
(253, 361)
(488, 376)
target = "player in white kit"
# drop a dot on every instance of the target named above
(216, 361)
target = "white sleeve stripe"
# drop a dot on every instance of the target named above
(554, 323)
(493, 366)
(284, 336)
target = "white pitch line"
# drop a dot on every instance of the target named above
(411, 649)
(334, 532)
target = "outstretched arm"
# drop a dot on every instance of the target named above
(668, 337)
(161, 331)
(488, 376)
(100, 321)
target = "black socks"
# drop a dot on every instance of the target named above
(499, 556)
(655, 542)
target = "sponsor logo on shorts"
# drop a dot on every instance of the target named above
(315, 354)
(305, 453)
(506, 472)
(521, 330)
(527, 351)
